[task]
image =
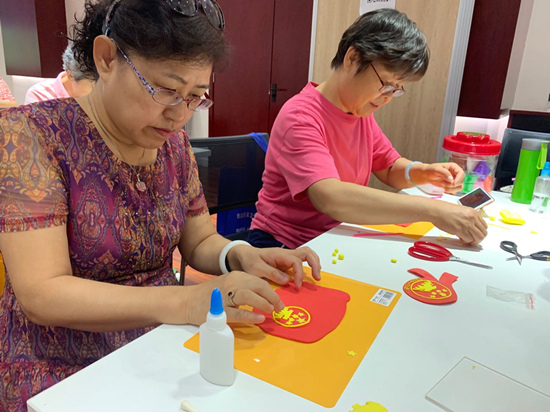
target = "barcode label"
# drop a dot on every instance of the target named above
(383, 297)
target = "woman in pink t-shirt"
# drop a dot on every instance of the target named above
(325, 144)
(71, 82)
(6, 98)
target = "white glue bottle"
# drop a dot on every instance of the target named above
(217, 345)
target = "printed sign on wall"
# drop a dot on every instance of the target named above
(370, 5)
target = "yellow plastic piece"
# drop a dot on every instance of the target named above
(534, 232)
(352, 353)
(492, 218)
(511, 218)
(334, 262)
(333, 253)
(368, 407)
(394, 261)
(341, 256)
(335, 250)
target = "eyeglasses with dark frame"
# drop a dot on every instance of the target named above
(165, 96)
(388, 89)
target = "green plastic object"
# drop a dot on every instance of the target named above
(531, 160)
(468, 182)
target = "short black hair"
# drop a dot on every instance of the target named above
(389, 37)
(150, 29)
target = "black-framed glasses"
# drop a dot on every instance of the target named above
(187, 8)
(210, 8)
(388, 89)
(165, 96)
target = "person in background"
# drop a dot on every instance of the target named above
(6, 98)
(325, 144)
(87, 233)
(71, 82)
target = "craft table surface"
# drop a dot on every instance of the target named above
(416, 347)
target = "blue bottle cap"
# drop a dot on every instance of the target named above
(546, 170)
(216, 305)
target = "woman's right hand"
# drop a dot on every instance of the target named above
(462, 221)
(246, 290)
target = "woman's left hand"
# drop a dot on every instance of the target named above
(272, 263)
(446, 175)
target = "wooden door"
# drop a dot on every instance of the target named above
(270, 42)
(291, 46)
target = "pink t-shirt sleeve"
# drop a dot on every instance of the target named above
(384, 155)
(305, 159)
(5, 93)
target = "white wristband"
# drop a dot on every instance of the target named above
(408, 171)
(225, 251)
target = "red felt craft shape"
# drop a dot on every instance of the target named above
(428, 289)
(403, 224)
(310, 314)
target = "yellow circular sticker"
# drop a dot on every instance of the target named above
(292, 317)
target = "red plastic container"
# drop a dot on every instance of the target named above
(477, 154)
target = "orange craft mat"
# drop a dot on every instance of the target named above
(318, 371)
(415, 230)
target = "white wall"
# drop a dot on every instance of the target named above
(73, 7)
(533, 84)
(492, 127)
(516, 55)
(3, 74)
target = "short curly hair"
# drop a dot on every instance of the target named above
(150, 29)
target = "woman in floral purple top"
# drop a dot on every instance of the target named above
(96, 193)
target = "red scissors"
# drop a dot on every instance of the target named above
(437, 253)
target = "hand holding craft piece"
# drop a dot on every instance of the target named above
(428, 289)
(311, 313)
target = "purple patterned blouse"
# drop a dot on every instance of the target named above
(55, 169)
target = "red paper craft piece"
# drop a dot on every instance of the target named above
(310, 313)
(428, 289)
(403, 224)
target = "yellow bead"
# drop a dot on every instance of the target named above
(341, 256)
(492, 218)
(333, 262)
(333, 253)
(335, 250)
(394, 261)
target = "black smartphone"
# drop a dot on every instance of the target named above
(477, 199)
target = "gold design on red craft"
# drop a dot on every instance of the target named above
(429, 289)
(292, 317)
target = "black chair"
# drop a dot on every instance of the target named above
(508, 159)
(230, 170)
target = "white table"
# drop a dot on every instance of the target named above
(414, 350)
